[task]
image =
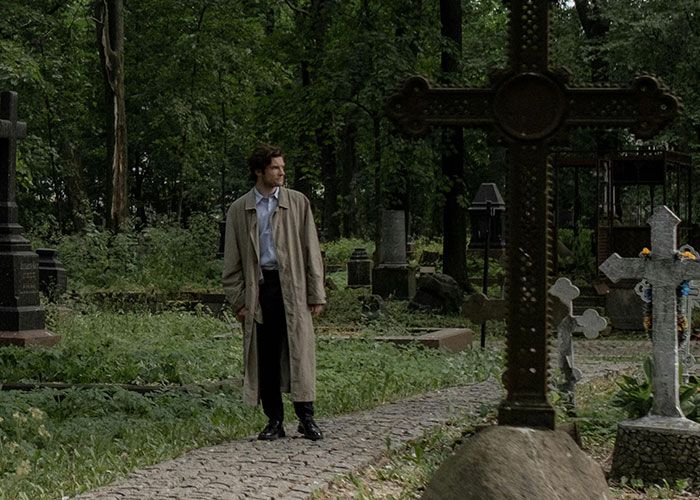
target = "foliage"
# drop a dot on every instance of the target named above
(162, 256)
(635, 396)
(64, 442)
(582, 260)
(338, 252)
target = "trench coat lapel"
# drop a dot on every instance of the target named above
(252, 219)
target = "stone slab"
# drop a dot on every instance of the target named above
(29, 337)
(452, 339)
(655, 449)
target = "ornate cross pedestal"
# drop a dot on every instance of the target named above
(21, 315)
(590, 323)
(663, 444)
(530, 105)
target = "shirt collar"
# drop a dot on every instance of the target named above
(259, 196)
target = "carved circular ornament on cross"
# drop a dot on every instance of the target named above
(529, 106)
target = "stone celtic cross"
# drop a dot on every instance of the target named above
(22, 318)
(530, 105)
(665, 269)
(10, 131)
(590, 323)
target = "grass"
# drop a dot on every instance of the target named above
(58, 443)
(403, 473)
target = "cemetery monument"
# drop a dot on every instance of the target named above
(590, 323)
(22, 319)
(530, 106)
(393, 276)
(663, 445)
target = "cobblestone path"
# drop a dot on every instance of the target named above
(292, 468)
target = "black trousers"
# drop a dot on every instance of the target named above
(272, 345)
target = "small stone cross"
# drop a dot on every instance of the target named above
(665, 270)
(478, 308)
(530, 105)
(10, 131)
(590, 323)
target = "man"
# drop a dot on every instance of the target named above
(273, 278)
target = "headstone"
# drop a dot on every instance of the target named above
(438, 292)
(52, 276)
(530, 105)
(479, 308)
(22, 319)
(674, 449)
(359, 269)
(590, 323)
(393, 277)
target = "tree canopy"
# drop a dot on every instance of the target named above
(205, 80)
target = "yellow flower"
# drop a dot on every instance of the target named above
(646, 252)
(688, 255)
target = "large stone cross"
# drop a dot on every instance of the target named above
(22, 319)
(529, 104)
(664, 269)
(10, 131)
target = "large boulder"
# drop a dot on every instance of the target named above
(439, 292)
(518, 463)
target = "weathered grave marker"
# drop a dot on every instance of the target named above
(21, 315)
(393, 276)
(529, 104)
(359, 269)
(674, 441)
(590, 323)
(479, 308)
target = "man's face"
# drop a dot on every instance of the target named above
(274, 174)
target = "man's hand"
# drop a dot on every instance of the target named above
(315, 309)
(241, 314)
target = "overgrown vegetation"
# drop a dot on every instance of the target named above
(635, 396)
(162, 256)
(62, 442)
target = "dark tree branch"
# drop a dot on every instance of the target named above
(296, 9)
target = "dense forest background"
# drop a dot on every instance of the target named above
(144, 110)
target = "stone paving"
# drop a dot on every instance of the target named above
(292, 468)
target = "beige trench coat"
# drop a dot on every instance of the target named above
(301, 279)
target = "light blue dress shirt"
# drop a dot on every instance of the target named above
(264, 207)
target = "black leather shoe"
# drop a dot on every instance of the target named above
(309, 429)
(273, 430)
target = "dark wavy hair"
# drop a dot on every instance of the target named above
(261, 157)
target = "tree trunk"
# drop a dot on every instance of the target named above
(109, 15)
(596, 28)
(454, 247)
(349, 166)
(75, 186)
(331, 212)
